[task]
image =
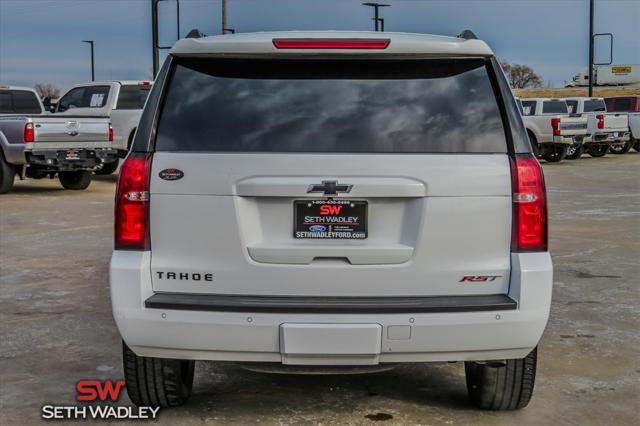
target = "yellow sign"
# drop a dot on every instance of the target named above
(621, 70)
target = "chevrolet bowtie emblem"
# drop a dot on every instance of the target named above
(329, 187)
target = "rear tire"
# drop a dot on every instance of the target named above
(620, 148)
(77, 180)
(7, 175)
(574, 151)
(505, 385)
(157, 382)
(554, 153)
(108, 168)
(636, 145)
(599, 150)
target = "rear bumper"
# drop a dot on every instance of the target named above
(329, 305)
(565, 140)
(70, 159)
(152, 326)
(608, 137)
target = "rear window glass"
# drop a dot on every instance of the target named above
(84, 97)
(620, 104)
(6, 103)
(133, 96)
(573, 106)
(19, 102)
(554, 107)
(387, 106)
(528, 107)
(595, 105)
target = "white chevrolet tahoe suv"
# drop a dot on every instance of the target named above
(319, 202)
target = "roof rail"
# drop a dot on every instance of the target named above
(467, 35)
(195, 33)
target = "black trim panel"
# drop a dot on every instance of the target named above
(329, 305)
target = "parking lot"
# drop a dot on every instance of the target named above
(57, 326)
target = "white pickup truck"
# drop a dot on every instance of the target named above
(550, 127)
(631, 106)
(122, 101)
(36, 144)
(604, 129)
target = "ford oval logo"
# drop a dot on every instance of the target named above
(171, 174)
(317, 228)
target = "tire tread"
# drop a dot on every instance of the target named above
(492, 386)
(157, 382)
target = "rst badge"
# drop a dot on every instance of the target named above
(479, 278)
(171, 174)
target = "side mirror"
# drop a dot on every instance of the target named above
(46, 102)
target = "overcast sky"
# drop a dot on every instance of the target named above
(40, 40)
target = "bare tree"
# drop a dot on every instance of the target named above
(47, 90)
(521, 76)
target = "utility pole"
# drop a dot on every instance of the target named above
(177, 19)
(93, 69)
(225, 29)
(154, 36)
(591, 11)
(224, 16)
(376, 15)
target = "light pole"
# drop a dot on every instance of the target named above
(93, 70)
(376, 16)
(591, 48)
(225, 29)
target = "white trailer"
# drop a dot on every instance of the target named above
(609, 75)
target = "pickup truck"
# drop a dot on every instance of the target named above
(36, 144)
(122, 101)
(550, 127)
(630, 105)
(604, 129)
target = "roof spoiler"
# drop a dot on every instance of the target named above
(195, 33)
(467, 35)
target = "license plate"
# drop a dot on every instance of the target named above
(330, 219)
(72, 155)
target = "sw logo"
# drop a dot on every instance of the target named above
(92, 391)
(478, 278)
(330, 209)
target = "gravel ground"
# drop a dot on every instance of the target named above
(56, 324)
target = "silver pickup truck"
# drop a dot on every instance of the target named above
(36, 144)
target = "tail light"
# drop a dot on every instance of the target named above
(600, 118)
(29, 134)
(336, 43)
(555, 125)
(529, 205)
(110, 133)
(132, 204)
